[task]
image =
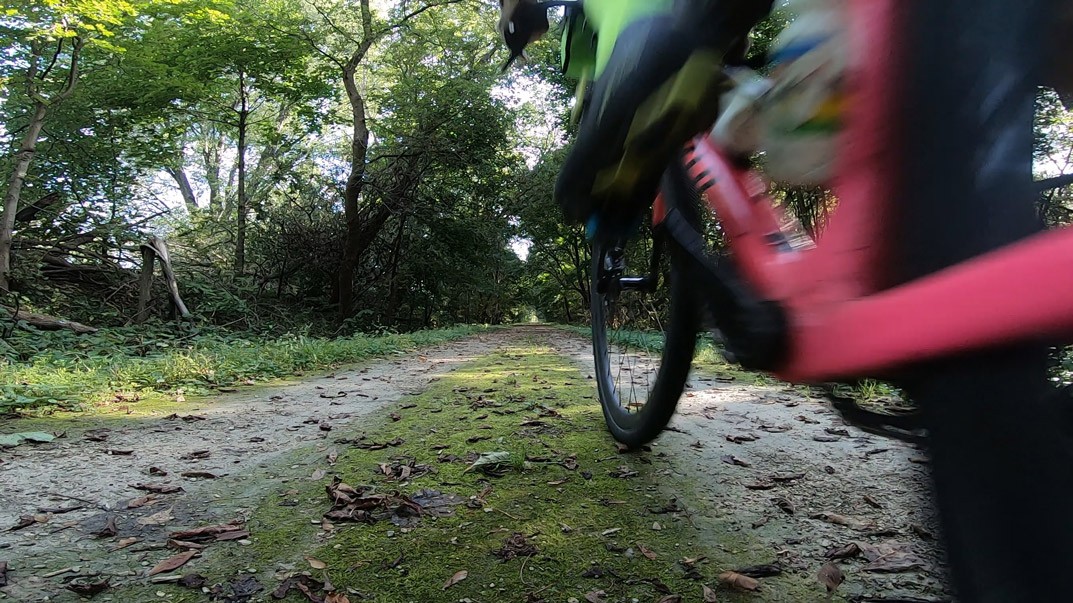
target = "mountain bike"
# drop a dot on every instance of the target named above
(932, 272)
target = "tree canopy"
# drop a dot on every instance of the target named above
(327, 163)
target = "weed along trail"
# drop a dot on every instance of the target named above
(477, 471)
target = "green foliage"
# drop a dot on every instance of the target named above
(61, 369)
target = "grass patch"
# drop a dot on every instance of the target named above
(591, 529)
(61, 370)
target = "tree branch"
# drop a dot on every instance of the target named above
(406, 18)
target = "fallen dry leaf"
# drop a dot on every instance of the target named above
(206, 532)
(316, 563)
(193, 581)
(243, 588)
(117, 452)
(24, 521)
(458, 576)
(124, 543)
(596, 596)
(784, 504)
(844, 520)
(515, 546)
(108, 530)
(739, 581)
(336, 597)
(172, 563)
(199, 474)
(740, 438)
(730, 459)
(709, 595)
(239, 534)
(872, 502)
(157, 488)
(760, 571)
(830, 576)
(843, 552)
(623, 472)
(184, 545)
(647, 552)
(196, 455)
(395, 416)
(889, 557)
(141, 501)
(156, 519)
(87, 589)
(760, 485)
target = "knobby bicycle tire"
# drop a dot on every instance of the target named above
(1001, 461)
(635, 429)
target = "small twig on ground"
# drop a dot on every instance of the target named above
(69, 497)
(524, 561)
(509, 515)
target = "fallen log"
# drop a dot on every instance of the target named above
(47, 322)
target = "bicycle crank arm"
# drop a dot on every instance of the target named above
(755, 329)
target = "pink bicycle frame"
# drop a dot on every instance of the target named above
(841, 324)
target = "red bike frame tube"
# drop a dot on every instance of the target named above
(842, 324)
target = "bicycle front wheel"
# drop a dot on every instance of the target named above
(643, 343)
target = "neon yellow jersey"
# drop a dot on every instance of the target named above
(589, 34)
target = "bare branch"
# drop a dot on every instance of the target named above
(72, 74)
(55, 57)
(407, 17)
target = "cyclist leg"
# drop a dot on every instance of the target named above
(658, 89)
(1000, 458)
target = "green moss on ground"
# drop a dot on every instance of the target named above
(579, 519)
(592, 531)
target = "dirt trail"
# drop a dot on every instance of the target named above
(792, 470)
(784, 468)
(234, 437)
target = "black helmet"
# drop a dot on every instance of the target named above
(521, 22)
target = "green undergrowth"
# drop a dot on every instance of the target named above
(871, 394)
(708, 357)
(61, 370)
(598, 519)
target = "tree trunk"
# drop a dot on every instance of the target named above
(179, 175)
(145, 284)
(241, 205)
(14, 189)
(210, 156)
(359, 146)
(28, 147)
(161, 249)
